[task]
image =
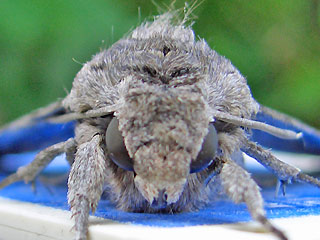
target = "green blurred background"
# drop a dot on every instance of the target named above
(275, 44)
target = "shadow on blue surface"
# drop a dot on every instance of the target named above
(301, 199)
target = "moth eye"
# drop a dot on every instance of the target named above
(207, 152)
(117, 151)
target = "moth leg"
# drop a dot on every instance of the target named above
(240, 187)
(71, 148)
(86, 181)
(42, 159)
(281, 186)
(285, 172)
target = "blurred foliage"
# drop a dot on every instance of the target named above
(275, 44)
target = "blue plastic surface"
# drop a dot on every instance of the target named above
(37, 136)
(300, 200)
(11, 162)
(309, 143)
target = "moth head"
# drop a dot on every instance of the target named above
(163, 135)
(163, 118)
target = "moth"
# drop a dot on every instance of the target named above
(160, 121)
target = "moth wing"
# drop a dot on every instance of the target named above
(308, 143)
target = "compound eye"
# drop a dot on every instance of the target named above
(207, 152)
(117, 151)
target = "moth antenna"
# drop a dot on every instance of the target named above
(30, 118)
(89, 114)
(287, 119)
(67, 117)
(275, 131)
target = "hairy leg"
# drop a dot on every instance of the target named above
(285, 172)
(42, 159)
(240, 187)
(71, 151)
(86, 178)
(237, 183)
